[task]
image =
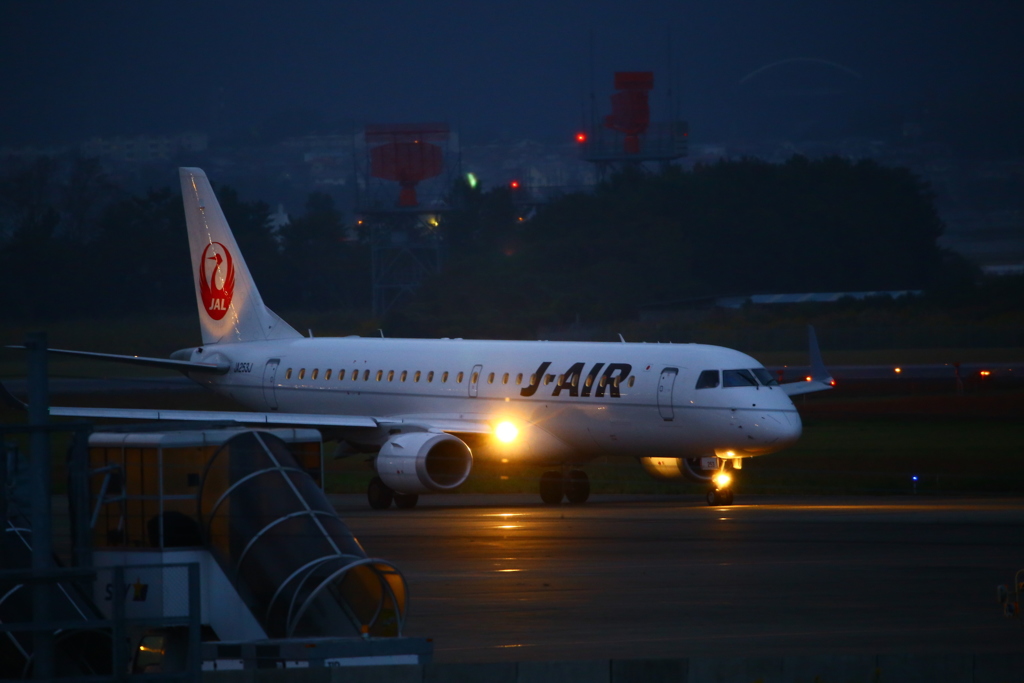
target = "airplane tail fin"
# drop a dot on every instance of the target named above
(230, 306)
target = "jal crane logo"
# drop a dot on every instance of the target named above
(216, 279)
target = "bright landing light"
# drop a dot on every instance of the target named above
(722, 480)
(506, 432)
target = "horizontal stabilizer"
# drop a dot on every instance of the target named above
(165, 363)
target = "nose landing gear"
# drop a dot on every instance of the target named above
(720, 497)
(720, 492)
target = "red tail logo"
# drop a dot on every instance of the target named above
(216, 279)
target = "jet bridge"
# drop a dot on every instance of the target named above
(277, 564)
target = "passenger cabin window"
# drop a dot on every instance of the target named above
(476, 376)
(504, 378)
(519, 378)
(548, 379)
(391, 375)
(341, 375)
(327, 375)
(416, 377)
(765, 377)
(708, 379)
(288, 374)
(380, 375)
(366, 375)
(430, 376)
(632, 379)
(316, 371)
(738, 378)
(458, 378)
(302, 373)
(444, 376)
(405, 373)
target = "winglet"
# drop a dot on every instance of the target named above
(818, 370)
(820, 378)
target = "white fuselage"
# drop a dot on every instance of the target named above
(570, 400)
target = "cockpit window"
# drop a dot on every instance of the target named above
(765, 377)
(738, 378)
(708, 379)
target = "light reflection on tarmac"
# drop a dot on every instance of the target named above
(503, 577)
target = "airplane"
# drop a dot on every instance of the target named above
(685, 411)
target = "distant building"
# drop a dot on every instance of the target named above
(544, 169)
(143, 148)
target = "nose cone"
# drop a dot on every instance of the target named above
(789, 428)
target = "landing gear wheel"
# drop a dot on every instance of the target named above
(551, 489)
(577, 487)
(406, 501)
(720, 497)
(379, 494)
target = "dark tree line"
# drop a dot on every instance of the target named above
(74, 244)
(736, 227)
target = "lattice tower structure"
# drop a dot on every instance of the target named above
(404, 177)
(627, 137)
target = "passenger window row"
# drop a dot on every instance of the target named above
(354, 376)
(709, 379)
(403, 376)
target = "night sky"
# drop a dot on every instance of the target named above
(72, 70)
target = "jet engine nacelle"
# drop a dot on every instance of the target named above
(699, 470)
(420, 462)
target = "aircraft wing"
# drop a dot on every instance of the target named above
(440, 424)
(241, 417)
(426, 423)
(797, 388)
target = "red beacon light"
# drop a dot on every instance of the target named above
(514, 184)
(581, 137)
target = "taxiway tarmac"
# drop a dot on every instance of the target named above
(501, 577)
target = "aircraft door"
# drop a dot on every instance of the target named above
(666, 383)
(270, 383)
(474, 379)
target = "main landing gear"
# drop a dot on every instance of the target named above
(573, 485)
(380, 496)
